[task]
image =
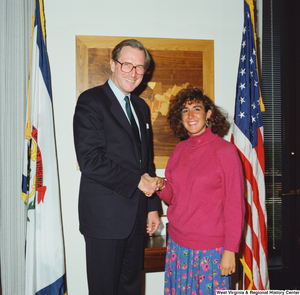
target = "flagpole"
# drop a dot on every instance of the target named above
(251, 6)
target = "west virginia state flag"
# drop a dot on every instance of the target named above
(45, 265)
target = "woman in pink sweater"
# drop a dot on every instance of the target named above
(204, 189)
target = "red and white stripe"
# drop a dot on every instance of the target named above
(255, 252)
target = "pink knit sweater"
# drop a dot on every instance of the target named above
(205, 193)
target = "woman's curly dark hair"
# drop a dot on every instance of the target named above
(216, 121)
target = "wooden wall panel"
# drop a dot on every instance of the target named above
(177, 64)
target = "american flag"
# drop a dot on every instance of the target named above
(247, 135)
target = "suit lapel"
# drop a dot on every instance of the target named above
(117, 110)
(119, 114)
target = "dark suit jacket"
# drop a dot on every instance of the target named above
(109, 161)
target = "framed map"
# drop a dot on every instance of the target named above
(176, 64)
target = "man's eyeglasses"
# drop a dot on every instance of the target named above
(127, 67)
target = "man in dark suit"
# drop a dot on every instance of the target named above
(113, 143)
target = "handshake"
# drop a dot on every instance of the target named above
(149, 185)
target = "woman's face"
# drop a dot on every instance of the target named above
(193, 117)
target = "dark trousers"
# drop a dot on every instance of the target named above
(114, 267)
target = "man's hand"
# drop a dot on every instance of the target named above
(153, 222)
(148, 184)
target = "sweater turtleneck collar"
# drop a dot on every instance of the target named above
(196, 140)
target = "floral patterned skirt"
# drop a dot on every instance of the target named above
(193, 272)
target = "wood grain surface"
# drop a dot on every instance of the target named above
(176, 64)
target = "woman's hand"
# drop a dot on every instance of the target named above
(227, 264)
(160, 183)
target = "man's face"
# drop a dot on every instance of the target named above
(127, 82)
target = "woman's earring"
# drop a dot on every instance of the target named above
(207, 123)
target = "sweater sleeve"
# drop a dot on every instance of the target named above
(167, 193)
(233, 202)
